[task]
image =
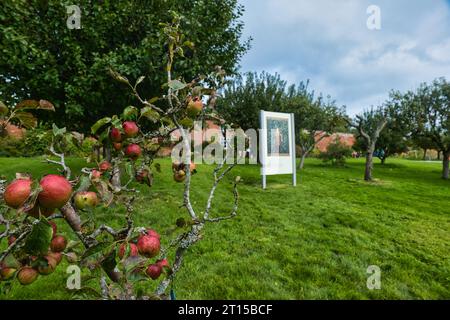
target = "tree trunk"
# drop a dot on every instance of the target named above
(445, 161)
(383, 160)
(424, 154)
(439, 155)
(369, 166)
(302, 160)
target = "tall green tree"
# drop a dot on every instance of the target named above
(395, 136)
(315, 117)
(246, 95)
(429, 110)
(44, 59)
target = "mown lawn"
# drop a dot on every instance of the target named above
(314, 241)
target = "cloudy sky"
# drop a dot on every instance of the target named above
(328, 42)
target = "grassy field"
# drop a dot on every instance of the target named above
(314, 241)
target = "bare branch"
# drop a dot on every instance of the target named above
(100, 230)
(22, 236)
(104, 288)
(214, 187)
(187, 162)
(233, 212)
(66, 170)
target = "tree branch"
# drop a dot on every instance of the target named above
(66, 170)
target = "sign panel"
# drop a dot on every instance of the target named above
(277, 144)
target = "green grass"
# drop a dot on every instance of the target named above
(314, 241)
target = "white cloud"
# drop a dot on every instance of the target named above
(328, 42)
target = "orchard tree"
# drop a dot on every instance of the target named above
(42, 57)
(121, 257)
(246, 95)
(394, 138)
(425, 143)
(429, 107)
(369, 125)
(315, 119)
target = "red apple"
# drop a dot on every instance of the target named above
(58, 244)
(153, 233)
(11, 240)
(104, 166)
(148, 246)
(117, 146)
(179, 176)
(133, 250)
(133, 151)
(163, 263)
(85, 199)
(154, 271)
(95, 174)
(130, 128)
(55, 255)
(49, 268)
(27, 275)
(116, 135)
(17, 192)
(56, 191)
(7, 273)
(194, 107)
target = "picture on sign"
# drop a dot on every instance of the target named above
(277, 136)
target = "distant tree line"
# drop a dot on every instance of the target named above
(416, 118)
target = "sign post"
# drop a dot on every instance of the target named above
(277, 145)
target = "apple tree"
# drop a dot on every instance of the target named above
(118, 257)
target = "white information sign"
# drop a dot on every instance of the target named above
(277, 145)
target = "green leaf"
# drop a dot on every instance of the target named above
(129, 169)
(27, 104)
(150, 114)
(116, 122)
(95, 255)
(84, 185)
(58, 131)
(102, 188)
(118, 76)
(34, 104)
(11, 262)
(100, 123)
(3, 109)
(46, 105)
(109, 262)
(176, 85)
(153, 100)
(26, 119)
(187, 122)
(38, 240)
(130, 112)
(167, 121)
(141, 78)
